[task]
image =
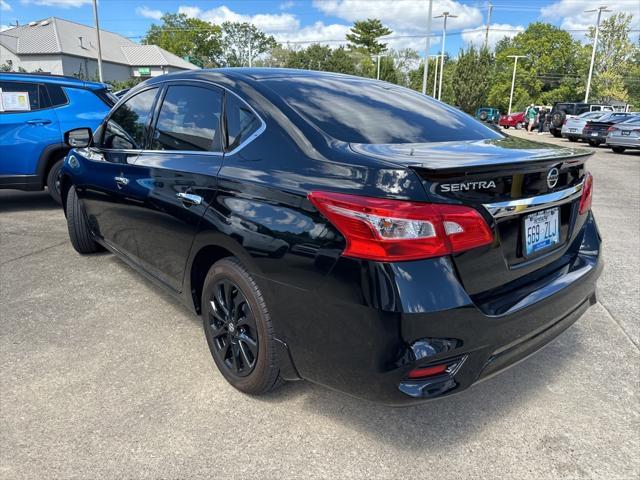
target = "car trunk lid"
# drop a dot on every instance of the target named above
(505, 179)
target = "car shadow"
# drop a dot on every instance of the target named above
(16, 201)
(437, 425)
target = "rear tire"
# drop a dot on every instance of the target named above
(618, 149)
(53, 181)
(556, 133)
(79, 231)
(519, 126)
(594, 143)
(572, 139)
(238, 328)
(506, 127)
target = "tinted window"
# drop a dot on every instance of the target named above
(56, 95)
(126, 127)
(241, 121)
(37, 94)
(581, 109)
(189, 119)
(366, 112)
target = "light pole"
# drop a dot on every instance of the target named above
(435, 74)
(513, 78)
(95, 16)
(425, 71)
(486, 33)
(444, 15)
(595, 46)
(378, 68)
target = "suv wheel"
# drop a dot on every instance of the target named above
(238, 328)
(618, 149)
(53, 180)
(594, 143)
(79, 231)
(555, 133)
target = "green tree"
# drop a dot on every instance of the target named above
(190, 38)
(365, 34)
(473, 74)
(322, 57)
(549, 73)
(242, 43)
(614, 57)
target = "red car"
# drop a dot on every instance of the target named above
(514, 120)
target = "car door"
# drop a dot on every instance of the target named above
(176, 176)
(111, 202)
(27, 125)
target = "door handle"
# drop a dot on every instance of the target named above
(121, 181)
(189, 198)
(39, 121)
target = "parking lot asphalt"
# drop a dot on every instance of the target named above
(103, 375)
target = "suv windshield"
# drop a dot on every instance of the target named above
(357, 111)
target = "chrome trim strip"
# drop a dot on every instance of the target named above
(521, 205)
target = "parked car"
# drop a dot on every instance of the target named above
(564, 110)
(624, 135)
(488, 114)
(35, 111)
(595, 132)
(573, 126)
(374, 249)
(515, 120)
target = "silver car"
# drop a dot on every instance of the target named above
(572, 128)
(624, 135)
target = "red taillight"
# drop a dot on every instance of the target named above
(395, 230)
(428, 371)
(587, 193)
(611, 129)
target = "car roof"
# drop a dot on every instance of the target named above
(61, 80)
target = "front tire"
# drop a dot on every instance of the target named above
(79, 231)
(618, 149)
(238, 328)
(53, 181)
(556, 133)
(506, 127)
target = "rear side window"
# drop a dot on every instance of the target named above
(108, 98)
(56, 95)
(126, 127)
(13, 103)
(581, 109)
(360, 111)
(241, 121)
(189, 119)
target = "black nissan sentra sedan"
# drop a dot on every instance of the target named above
(338, 229)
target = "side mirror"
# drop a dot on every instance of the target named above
(78, 137)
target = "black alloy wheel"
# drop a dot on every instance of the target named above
(238, 328)
(233, 328)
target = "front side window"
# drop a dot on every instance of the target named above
(189, 119)
(360, 111)
(125, 129)
(23, 97)
(241, 121)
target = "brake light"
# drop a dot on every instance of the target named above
(587, 193)
(611, 129)
(396, 230)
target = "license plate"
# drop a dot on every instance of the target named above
(625, 132)
(594, 134)
(573, 130)
(541, 230)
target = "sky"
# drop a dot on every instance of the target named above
(302, 22)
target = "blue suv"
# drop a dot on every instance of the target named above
(35, 111)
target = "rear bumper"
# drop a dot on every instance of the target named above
(623, 142)
(372, 323)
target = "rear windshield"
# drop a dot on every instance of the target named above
(366, 112)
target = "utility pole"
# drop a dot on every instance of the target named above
(95, 16)
(486, 33)
(378, 68)
(513, 78)
(425, 72)
(250, 53)
(444, 15)
(595, 47)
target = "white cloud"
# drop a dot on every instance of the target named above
(497, 31)
(58, 3)
(270, 23)
(286, 5)
(333, 35)
(4, 6)
(5, 27)
(407, 15)
(577, 21)
(147, 12)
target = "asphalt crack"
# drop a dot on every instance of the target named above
(33, 253)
